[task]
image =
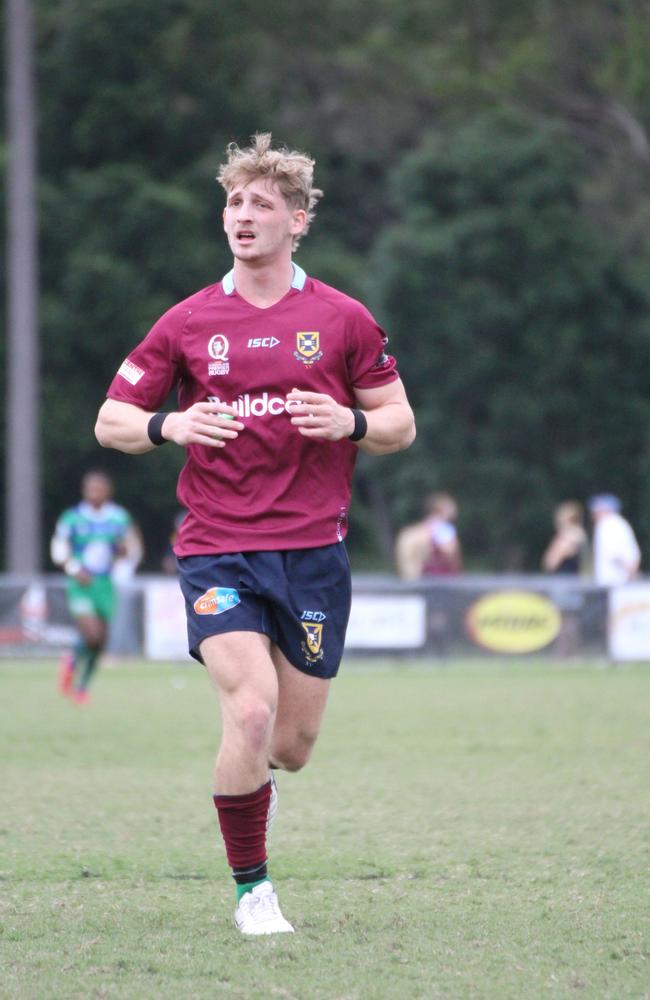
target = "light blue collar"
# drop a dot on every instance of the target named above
(299, 279)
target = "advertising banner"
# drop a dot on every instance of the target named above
(629, 622)
(387, 622)
(465, 616)
(33, 618)
(165, 628)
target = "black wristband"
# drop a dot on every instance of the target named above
(360, 426)
(154, 428)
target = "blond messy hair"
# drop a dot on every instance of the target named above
(292, 171)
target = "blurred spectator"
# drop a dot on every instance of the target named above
(431, 547)
(617, 556)
(567, 549)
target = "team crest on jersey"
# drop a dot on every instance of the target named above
(308, 347)
(312, 646)
(218, 349)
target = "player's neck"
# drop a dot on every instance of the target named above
(262, 284)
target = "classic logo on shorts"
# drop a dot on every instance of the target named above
(216, 600)
(312, 647)
(218, 349)
(308, 344)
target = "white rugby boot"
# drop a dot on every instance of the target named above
(273, 805)
(259, 912)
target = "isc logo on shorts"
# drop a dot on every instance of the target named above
(313, 616)
(216, 600)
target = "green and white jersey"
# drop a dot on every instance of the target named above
(94, 536)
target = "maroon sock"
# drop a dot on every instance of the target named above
(242, 819)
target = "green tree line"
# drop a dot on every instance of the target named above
(486, 176)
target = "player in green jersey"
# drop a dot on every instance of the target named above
(88, 540)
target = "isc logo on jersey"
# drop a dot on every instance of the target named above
(263, 342)
(259, 406)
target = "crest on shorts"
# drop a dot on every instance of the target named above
(312, 646)
(308, 347)
(216, 600)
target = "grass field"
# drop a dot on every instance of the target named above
(471, 832)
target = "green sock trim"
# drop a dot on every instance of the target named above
(249, 886)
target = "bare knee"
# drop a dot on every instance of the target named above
(93, 632)
(254, 721)
(292, 756)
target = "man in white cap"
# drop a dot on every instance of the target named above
(617, 556)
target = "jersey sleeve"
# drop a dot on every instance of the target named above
(369, 365)
(64, 527)
(149, 372)
(61, 541)
(123, 520)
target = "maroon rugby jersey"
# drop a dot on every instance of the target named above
(271, 488)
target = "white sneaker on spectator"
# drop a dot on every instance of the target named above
(259, 912)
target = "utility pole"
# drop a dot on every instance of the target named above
(23, 513)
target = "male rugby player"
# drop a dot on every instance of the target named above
(88, 540)
(280, 380)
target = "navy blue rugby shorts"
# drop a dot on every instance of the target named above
(300, 598)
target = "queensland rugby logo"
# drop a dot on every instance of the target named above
(308, 344)
(218, 349)
(312, 647)
(216, 600)
(513, 621)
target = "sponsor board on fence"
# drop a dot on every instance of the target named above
(536, 616)
(629, 622)
(513, 621)
(165, 628)
(387, 622)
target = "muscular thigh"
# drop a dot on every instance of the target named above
(241, 667)
(301, 701)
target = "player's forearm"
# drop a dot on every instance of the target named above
(124, 427)
(133, 547)
(60, 550)
(61, 555)
(391, 427)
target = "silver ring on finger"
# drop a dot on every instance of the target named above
(216, 435)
